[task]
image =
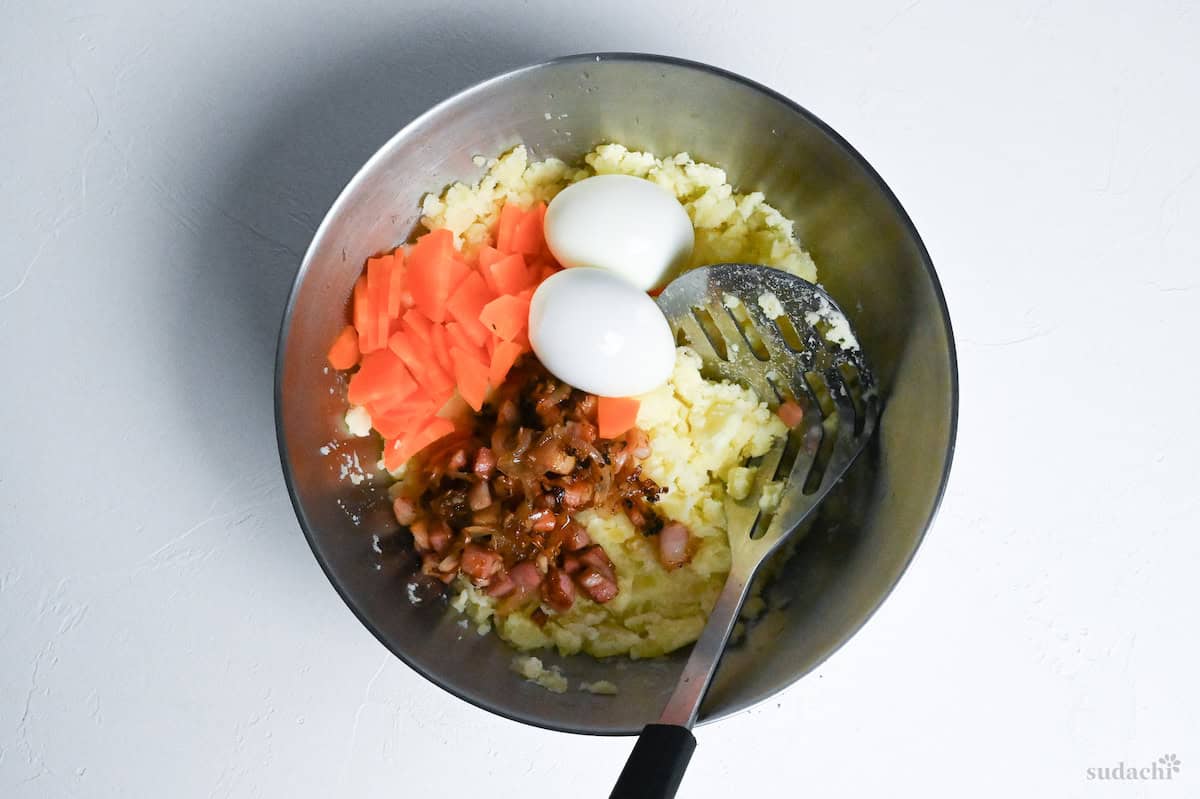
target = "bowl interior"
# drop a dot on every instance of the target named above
(868, 256)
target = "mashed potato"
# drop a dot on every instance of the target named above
(729, 226)
(531, 668)
(701, 432)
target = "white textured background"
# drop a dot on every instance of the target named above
(164, 629)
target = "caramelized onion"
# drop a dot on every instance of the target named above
(405, 510)
(496, 501)
(480, 496)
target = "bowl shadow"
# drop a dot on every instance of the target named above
(264, 195)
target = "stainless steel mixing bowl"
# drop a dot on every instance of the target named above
(869, 257)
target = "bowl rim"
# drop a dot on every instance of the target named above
(343, 199)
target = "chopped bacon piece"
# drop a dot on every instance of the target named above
(577, 495)
(673, 541)
(639, 443)
(790, 414)
(576, 537)
(405, 510)
(558, 590)
(439, 539)
(525, 574)
(501, 585)
(600, 587)
(420, 534)
(522, 596)
(596, 558)
(479, 562)
(542, 521)
(485, 463)
(480, 496)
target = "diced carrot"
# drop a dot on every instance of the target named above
(434, 271)
(397, 279)
(381, 374)
(401, 343)
(386, 426)
(467, 302)
(391, 454)
(418, 323)
(440, 343)
(398, 450)
(488, 256)
(415, 407)
(510, 275)
(393, 425)
(527, 236)
(510, 215)
(384, 406)
(457, 411)
(393, 404)
(344, 352)
(417, 355)
(431, 332)
(435, 428)
(503, 358)
(384, 321)
(456, 337)
(471, 376)
(377, 294)
(411, 413)
(426, 403)
(362, 314)
(506, 316)
(438, 378)
(616, 415)
(443, 397)
(545, 263)
(431, 247)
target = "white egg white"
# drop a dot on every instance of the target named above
(625, 224)
(599, 333)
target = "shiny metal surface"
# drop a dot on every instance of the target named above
(787, 358)
(869, 256)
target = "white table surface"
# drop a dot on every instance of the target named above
(164, 629)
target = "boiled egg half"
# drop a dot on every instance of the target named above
(628, 225)
(596, 331)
